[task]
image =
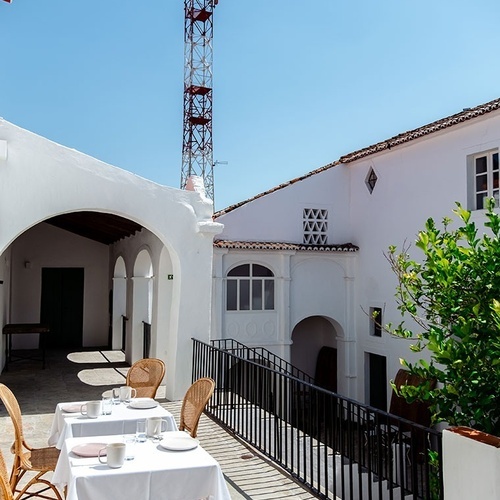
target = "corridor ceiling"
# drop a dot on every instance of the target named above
(102, 227)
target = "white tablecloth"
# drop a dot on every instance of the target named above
(121, 421)
(154, 474)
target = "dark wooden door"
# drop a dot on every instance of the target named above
(62, 306)
(326, 369)
(378, 381)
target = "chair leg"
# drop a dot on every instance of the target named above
(16, 473)
(24, 494)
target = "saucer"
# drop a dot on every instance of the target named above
(143, 403)
(178, 443)
(89, 449)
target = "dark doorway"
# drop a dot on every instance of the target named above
(378, 381)
(62, 306)
(326, 369)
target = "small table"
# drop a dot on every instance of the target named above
(24, 328)
(122, 420)
(154, 473)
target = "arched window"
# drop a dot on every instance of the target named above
(250, 287)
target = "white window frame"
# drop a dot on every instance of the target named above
(484, 183)
(253, 282)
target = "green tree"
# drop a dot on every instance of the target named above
(453, 296)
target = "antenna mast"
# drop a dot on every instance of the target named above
(197, 148)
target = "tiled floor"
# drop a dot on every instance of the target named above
(85, 375)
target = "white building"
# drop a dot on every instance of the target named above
(303, 265)
(297, 269)
(84, 244)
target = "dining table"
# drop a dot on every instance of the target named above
(157, 471)
(69, 422)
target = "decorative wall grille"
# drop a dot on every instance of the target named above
(315, 224)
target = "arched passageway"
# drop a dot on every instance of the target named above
(78, 212)
(314, 350)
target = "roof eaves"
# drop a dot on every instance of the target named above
(277, 245)
(411, 135)
(465, 115)
(274, 189)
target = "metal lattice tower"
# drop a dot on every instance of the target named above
(197, 148)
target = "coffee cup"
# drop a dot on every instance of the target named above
(127, 393)
(91, 409)
(154, 427)
(115, 455)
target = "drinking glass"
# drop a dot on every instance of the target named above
(116, 395)
(140, 431)
(129, 447)
(107, 405)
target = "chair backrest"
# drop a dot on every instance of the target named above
(11, 404)
(5, 490)
(194, 403)
(145, 376)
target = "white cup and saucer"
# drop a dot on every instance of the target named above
(115, 455)
(91, 409)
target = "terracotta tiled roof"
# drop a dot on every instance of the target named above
(277, 188)
(465, 115)
(274, 245)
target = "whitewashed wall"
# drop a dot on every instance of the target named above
(40, 179)
(418, 180)
(415, 181)
(307, 284)
(471, 461)
(47, 246)
(278, 215)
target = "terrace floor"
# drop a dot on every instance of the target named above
(82, 375)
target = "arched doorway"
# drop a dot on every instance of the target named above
(59, 275)
(314, 350)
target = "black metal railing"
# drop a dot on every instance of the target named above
(146, 339)
(124, 332)
(336, 446)
(263, 356)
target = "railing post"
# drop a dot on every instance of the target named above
(124, 332)
(146, 339)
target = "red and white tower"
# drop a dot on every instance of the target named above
(197, 147)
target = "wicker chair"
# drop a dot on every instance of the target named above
(5, 490)
(145, 376)
(194, 403)
(27, 458)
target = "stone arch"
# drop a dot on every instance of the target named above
(65, 181)
(119, 305)
(315, 350)
(143, 265)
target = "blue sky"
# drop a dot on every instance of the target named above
(297, 83)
